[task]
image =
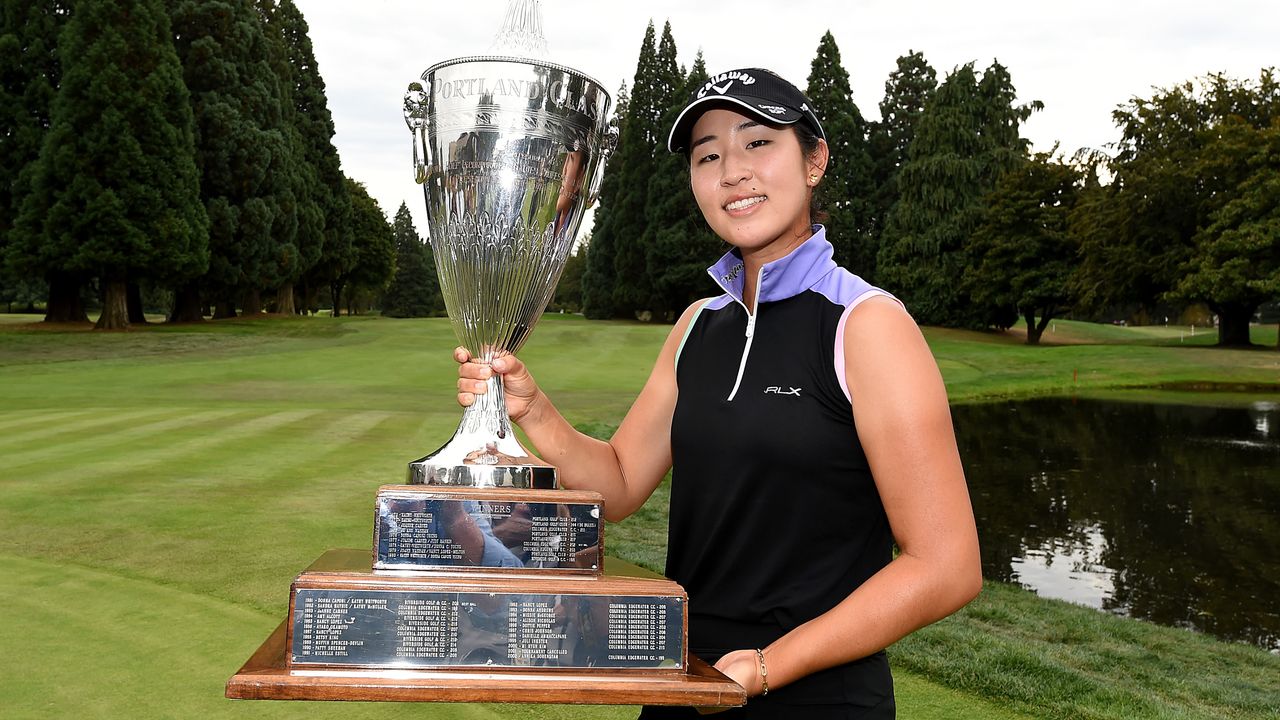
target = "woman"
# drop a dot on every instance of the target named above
(807, 425)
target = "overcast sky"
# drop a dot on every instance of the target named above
(1080, 58)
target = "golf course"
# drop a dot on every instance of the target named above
(161, 487)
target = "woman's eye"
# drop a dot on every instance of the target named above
(757, 143)
(708, 158)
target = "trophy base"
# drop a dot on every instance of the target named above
(265, 676)
(322, 653)
(492, 530)
(429, 471)
(484, 452)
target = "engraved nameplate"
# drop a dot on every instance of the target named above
(379, 628)
(420, 528)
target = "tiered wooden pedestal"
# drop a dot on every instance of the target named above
(577, 634)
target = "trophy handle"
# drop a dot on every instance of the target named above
(607, 146)
(415, 116)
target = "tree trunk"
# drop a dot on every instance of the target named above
(284, 300)
(309, 294)
(133, 304)
(186, 304)
(64, 303)
(1233, 324)
(251, 303)
(1033, 332)
(115, 310)
(224, 309)
(1036, 330)
(335, 289)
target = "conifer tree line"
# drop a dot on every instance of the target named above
(180, 149)
(942, 202)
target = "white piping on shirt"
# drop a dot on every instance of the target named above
(751, 331)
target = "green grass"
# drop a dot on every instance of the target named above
(159, 489)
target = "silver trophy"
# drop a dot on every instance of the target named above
(510, 151)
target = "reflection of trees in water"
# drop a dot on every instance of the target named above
(1188, 499)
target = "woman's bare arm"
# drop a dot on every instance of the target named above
(627, 468)
(904, 424)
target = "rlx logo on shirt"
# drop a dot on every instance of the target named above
(777, 390)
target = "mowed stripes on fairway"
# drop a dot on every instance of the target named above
(95, 644)
(134, 429)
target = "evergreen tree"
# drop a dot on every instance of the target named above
(1023, 255)
(653, 92)
(322, 250)
(30, 73)
(958, 152)
(847, 188)
(415, 289)
(115, 191)
(374, 251)
(568, 295)
(907, 92)
(241, 146)
(679, 246)
(596, 298)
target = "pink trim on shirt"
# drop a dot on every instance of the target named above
(844, 319)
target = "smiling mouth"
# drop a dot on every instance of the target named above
(745, 203)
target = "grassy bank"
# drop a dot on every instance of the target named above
(159, 488)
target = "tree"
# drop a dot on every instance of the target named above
(1023, 254)
(414, 290)
(374, 257)
(30, 73)
(568, 295)
(1145, 231)
(322, 250)
(1235, 261)
(678, 244)
(846, 192)
(242, 150)
(598, 275)
(907, 92)
(653, 92)
(962, 145)
(115, 191)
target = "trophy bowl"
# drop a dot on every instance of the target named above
(510, 153)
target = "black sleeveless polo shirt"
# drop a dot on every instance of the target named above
(775, 517)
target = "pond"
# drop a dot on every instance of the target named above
(1160, 510)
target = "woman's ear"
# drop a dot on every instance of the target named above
(818, 159)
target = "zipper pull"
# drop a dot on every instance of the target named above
(751, 325)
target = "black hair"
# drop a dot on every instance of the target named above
(809, 145)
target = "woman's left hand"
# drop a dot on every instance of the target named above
(743, 667)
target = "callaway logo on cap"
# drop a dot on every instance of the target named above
(752, 91)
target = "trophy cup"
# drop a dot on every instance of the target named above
(488, 582)
(510, 152)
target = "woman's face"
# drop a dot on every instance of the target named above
(751, 182)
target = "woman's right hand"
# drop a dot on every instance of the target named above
(518, 385)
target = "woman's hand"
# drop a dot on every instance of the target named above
(743, 667)
(518, 385)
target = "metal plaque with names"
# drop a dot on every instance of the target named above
(377, 628)
(494, 530)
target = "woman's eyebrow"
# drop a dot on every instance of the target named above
(744, 125)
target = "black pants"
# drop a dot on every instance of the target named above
(861, 690)
(759, 708)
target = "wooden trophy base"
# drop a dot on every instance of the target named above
(276, 670)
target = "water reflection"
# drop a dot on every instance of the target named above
(1160, 511)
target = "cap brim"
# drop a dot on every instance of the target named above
(678, 139)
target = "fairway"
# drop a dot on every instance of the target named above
(160, 488)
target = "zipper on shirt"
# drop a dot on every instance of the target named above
(751, 331)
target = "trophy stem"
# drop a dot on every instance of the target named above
(484, 451)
